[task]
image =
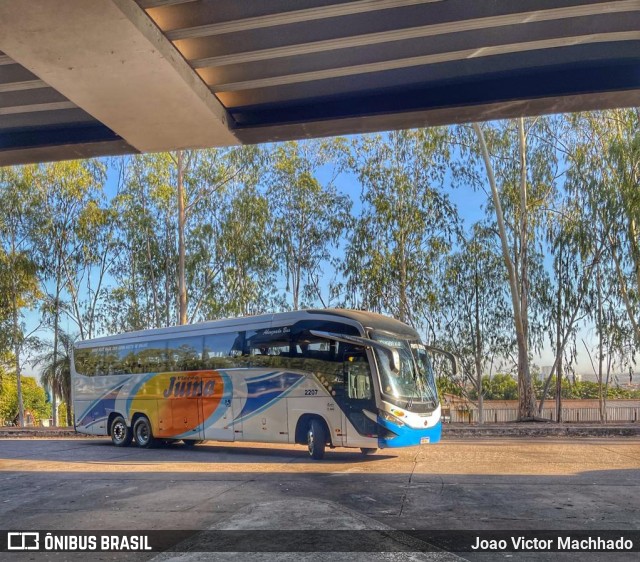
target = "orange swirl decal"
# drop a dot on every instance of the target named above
(179, 403)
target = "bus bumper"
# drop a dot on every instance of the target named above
(406, 436)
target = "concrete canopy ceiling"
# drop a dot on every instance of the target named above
(81, 78)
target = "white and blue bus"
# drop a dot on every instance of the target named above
(337, 378)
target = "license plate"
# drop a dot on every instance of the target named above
(424, 440)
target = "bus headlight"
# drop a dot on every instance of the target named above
(391, 418)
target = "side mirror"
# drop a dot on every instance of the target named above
(455, 365)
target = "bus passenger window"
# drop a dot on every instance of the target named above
(86, 361)
(153, 359)
(185, 354)
(220, 350)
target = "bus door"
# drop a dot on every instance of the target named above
(216, 409)
(358, 392)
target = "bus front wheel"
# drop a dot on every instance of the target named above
(142, 433)
(120, 434)
(316, 439)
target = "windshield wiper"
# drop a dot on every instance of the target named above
(414, 372)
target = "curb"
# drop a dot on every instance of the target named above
(462, 431)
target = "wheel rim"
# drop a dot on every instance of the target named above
(119, 431)
(142, 433)
(310, 441)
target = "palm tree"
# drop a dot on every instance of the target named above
(56, 370)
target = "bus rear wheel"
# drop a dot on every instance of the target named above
(121, 435)
(142, 433)
(316, 439)
(368, 450)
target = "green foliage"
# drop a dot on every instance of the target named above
(406, 226)
(446, 385)
(33, 396)
(476, 313)
(604, 150)
(245, 249)
(63, 416)
(308, 218)
(501, 386)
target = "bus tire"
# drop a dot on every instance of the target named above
(142, 433)
(368, 450)
(121, 435)
(316, 439)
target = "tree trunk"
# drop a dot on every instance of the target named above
(478, 350)
(56, 327)
(526, 406)
(182, 288)
(559, 343)
(527, 398)
(167, 272)
(16, 341)
(600, 349)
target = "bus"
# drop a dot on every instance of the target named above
(320, 378)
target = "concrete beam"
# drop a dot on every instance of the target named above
(110, 59)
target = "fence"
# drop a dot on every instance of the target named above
(623, 414)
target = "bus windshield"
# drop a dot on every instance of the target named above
(414, 383)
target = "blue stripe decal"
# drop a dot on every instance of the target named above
(266, 390)
(102, 407)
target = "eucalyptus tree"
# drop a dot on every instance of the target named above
(145, 245)
(475, 307)
(406, 226)
(605, 173)
(577, 249)
(62, 191)
(170, 208)
(218, 180)
(308, 218)
(17, 268)
(90, 265)
(521, 171)
(244, 247)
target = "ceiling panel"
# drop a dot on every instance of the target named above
(288, 69)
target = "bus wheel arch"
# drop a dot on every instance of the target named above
(121, 434)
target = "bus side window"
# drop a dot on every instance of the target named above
(221, 350)
(86, 361)
(153, 359)
(185, 354)
(98, 358)
(269, 348)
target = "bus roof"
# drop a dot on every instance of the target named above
(363, 319)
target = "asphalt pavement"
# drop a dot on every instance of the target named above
(480, 484)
